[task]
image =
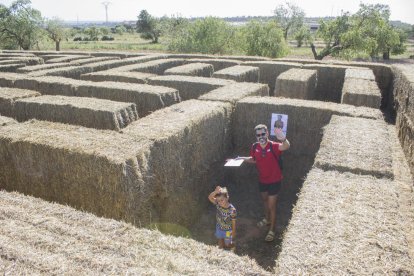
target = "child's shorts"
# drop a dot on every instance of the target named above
(224, 234)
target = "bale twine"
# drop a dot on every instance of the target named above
(197, 69)
(361, 92)
(345, 224)
(356, 145)
(296, 83)
(239, 73)
(233, 93)
(8, 97)
(88, 112)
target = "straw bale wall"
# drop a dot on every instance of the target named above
(197, 69)
(270, 70)
(190, 142)
(405, 128)
(296, 83)
(8, 79)
(46, 57)
(11, 67)
(40, 238)
(360, 73)
(361, 92)
(27, 60)
(32, 68)
(49, 85)
(8, 61)
(239, 73)
(404, 90)
(218, 63)
(189, 87)
(73, 72)
(98, 171)
(111, 75)
(8, 97)
(4, 121)
(93, 60)
(87, 112)
(156, 66)
(356, 145)
(232, 93)
(345, 224)
(67, 58)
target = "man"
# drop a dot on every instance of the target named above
(265, 154)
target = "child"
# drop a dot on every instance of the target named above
(226, 217)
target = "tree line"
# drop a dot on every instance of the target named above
(366, 32)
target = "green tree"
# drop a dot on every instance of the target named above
(264, 39)
(56, 31)
(20, 25)
(148, 26)
(303, 35)
(290, 18)
(93, 33)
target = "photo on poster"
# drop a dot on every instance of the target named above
(279, 121)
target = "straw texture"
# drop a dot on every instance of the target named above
(296, 83)
(239, 73)
(197, 69)
(8, 97)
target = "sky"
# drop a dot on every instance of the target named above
(121, 10)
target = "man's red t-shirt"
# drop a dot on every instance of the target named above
(266, 163)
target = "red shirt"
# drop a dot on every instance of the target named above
(266, 163)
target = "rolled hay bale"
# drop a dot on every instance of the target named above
(239, 73)
(218, 63)
(306, 120)
(356, 145)
(73, 72)
(197, 69)
(98, 171)
(403, 91)
(110, 75)
(330, 81)
(189, 87)
(191, 140)
(8, 79)
(156, 66)
(405, 128)
(67, 58)
(233, 93)
(39, 237)
(11, 67)
(8, 97)
(345, 224)
(296, 83)
(148, 98)
(270, 70)
(360, 73)
(5, 121)
(361, 92)
(49, 85)
(87, 112)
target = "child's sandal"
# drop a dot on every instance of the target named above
(263, 223)
(270, 236)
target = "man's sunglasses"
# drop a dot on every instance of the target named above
(261, 134)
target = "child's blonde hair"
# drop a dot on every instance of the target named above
(223, 192)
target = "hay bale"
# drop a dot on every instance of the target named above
(8, 79)
(99, 171)
(405, 128)
(246, 58)
(361, 92)
(8, 97)
(306, 120)
(33, 68)
(39, 237)
(296, 83)
(49, 85)
(148, 98)
(345, 224)
(356, 145)
(234, 92)
(48, 56)
(11, 67)
(110, 75)
(189, 138)
(67, 58)
(330, 81)
(7, 61)
(5, 121)
(193, 69)
(87, 112)
(154, 66)
(73, 72)
(360, 73)
(189, 87)
(404, 90)
(93, 60)
(239, 73)
(270, 70)
(28, 60)
(218, 63)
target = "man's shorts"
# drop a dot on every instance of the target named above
(271, 189)
(223, 234)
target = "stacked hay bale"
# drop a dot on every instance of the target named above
(111, 75)
(197, 69)
(11, 67)
(190, 142)
(88, 112)
(154, 66)
(345, 223)
(270, 70)
(39, 237)
(404, 107)
(4, 121)
(232, 93)
(189, 87)
(239, 73)
(27, 60)
(360, 88)
(73, 72)
(8, 97)
(67, 58)
(356, 145)
(296, 83)
(8, 79)
(49, 85)
(218, 63)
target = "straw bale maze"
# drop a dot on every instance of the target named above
(97, 148)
